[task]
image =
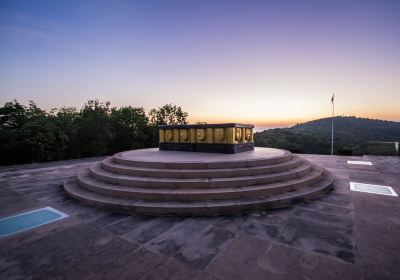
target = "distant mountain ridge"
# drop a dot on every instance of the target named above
(351, 135)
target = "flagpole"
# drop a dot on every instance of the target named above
(333, 115)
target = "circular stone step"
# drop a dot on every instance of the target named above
(175, 183)
(204, 207)
(91, 184)
(111, 166)
(153, 158)
(183, 183)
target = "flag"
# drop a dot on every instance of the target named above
(333, 98)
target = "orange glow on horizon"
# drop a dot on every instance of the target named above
(291, 122)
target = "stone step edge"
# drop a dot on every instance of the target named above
(91, 184)
(109, 165)
(205, 208)
(153, 182)
(203, 165)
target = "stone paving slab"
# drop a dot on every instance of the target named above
(319, 237)
(343, 235)
(240, 258)
(286, 262)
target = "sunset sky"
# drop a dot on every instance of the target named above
(270, 63)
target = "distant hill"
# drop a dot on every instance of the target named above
(352, 135)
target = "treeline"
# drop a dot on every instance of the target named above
(30, 134)
(351, 136)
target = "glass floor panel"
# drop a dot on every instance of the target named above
(376, 189)
(28, 220)
(359, 162)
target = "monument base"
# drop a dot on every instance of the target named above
(225, 138)
(208, 148)
(155, 182)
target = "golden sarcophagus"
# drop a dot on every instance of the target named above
(227, 138)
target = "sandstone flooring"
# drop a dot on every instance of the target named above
(344, 235)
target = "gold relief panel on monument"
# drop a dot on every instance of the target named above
(238, 134)
(200, 135)
(248, 134)
(184, 135)
(169, 136)
(219, 135)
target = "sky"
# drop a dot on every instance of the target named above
(271, 63)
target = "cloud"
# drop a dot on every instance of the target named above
(24, 33)
(25, 27)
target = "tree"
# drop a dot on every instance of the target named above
(66, 120)
(94, 131)
(12, 118)
(38, 139)
(128, 126)
(27, 134)
(12, 115)
(167, 115)
(31, 134)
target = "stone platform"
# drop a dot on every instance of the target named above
(157, 182)
(342, 235)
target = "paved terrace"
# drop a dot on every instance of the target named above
(344, 235)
